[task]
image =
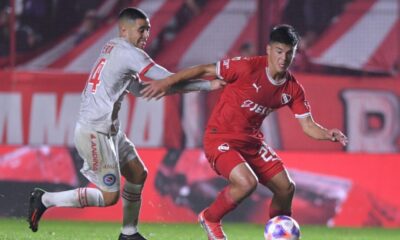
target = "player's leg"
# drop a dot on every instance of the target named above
(272, 174)
(242, 182)
(100, 167)
(41, 200)
(135, 174)
(283, 188)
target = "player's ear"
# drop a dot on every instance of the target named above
(122, 29)
(268, 49)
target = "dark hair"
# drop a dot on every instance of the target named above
(132, 14)
(284, 34)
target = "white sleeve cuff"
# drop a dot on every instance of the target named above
(304, 115)
(218, 70)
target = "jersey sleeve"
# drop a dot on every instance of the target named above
(156, 72)
(138, 60)
(229, 69)
(300, 106)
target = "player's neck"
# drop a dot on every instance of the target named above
(276, 78)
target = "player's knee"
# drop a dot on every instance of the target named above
(139, 177)
(135, 175)
(292, 187)
(143, 175)
(247, 184)
(286, 191)
(289, 190)
(110, 198)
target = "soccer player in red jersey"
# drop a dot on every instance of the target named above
(233, 142)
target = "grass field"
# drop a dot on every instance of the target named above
(17, 229)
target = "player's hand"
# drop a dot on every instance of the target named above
(217, 84)
(338, 136)
(154, 89)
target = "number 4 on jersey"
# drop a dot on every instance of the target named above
(94, 78)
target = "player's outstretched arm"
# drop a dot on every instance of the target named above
(316, 131)
(157, 89)
(196, 85)
(159, 73)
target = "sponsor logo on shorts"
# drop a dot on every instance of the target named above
(109, 166)
(109, 179)
(223, 147)
(95, 156)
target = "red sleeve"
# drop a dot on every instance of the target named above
(300, 106)
(229, 69)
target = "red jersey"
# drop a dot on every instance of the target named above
(251, 95)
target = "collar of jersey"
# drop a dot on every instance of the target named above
(273, 81)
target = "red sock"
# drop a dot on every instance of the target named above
(220, 207)
(275, 212)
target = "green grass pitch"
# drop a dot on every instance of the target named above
(17, 229)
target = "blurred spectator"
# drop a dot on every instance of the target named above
(81, 8)
(41, 21)
(4, 33)
(312, 15)
(194, 6)
(89, 24)
(26, 37)
(310, 18)
(247, 49)
(36, 14)
(190, 9)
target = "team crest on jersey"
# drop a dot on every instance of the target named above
(223, 147)
(109, 179)
(285, 98)
(225, 63)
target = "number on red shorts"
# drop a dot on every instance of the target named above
(267, 153)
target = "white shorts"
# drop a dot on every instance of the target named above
(103, 156)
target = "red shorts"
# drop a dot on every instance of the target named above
(225, 153)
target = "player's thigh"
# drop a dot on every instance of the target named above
(100, 165)
(243, 176)
(264, 161)
(132, 166)
(222, 158)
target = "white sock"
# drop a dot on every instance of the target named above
(131, 202)
(78, 198)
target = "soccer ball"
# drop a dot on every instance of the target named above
(282, 228)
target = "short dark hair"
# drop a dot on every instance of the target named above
(284, 33)
(132, 14)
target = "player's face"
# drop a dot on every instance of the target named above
(138, 32)
(280, 56)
